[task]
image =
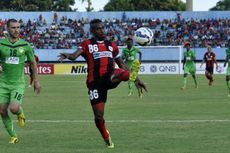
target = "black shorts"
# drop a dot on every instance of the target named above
(98, 89)
(209, 69)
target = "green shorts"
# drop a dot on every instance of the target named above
(189, 69)
(9, 93)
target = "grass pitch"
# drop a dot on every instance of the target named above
(165, 120)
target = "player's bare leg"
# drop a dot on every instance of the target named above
(31, 82)
(209, 77)
(195, 81)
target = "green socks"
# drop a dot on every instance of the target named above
(9, 126)
(185, 81)
(195, 81)
(131, 85)
(8, 123)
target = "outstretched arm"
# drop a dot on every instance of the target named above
(202, 63)
(70, 56)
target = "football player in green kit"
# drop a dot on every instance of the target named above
(13, 52)
(129, 55)
(189, 65)
(228, 68)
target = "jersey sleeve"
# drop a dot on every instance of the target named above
(29, 53)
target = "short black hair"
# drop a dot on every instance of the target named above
(94, 22)
(9, 21)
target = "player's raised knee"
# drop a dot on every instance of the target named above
(121, 75)
(124, 75)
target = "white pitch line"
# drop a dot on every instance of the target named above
(128, 121)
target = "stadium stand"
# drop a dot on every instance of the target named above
(57, 31)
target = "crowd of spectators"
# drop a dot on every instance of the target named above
(66, 33)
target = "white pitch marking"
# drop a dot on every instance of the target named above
(129, 121)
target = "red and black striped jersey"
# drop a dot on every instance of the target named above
(99, 56)
(36, 58)
(209, 58)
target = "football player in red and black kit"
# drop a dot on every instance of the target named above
(101, 56)
(209, 58)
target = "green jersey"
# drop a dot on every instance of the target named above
(130, 55)
(13, 57)
(228, 54)
(189, 57)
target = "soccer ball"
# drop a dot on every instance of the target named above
(143, 36)
(219, 69)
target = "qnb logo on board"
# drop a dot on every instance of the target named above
(153, 68)
(167, 68)
(162, 68)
